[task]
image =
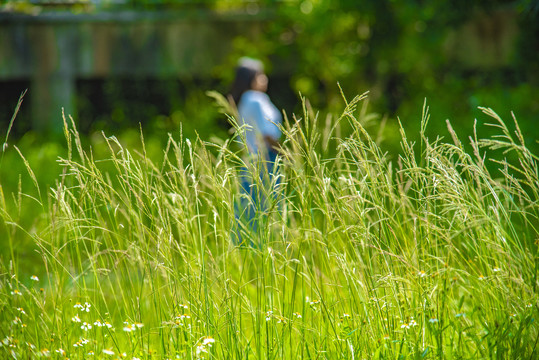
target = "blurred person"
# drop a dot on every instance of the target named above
(256, 110)
(260, 120)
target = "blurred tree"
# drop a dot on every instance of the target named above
(402, 51)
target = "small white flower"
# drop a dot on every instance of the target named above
(16, 292)
(200, 349)
(60, 351)
(460, 315)
(108, 351)
(98, 323)
(496, 269)
(131, 327)
(433, 320)
(85, 326)
(85, 307)
(76, 318)
(297, 315)
(21, 310)
(269, 313)
(35, 278)
(208, 341)
(45, 352)
(421, 274)
(528, 305)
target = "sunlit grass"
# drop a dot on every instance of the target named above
(357, 255)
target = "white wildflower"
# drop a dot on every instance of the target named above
(208, 341)
(60, 351)
(85, 307)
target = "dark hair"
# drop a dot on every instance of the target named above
(246, 71)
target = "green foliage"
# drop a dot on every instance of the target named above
(401, 52)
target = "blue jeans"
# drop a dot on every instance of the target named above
(256, 194)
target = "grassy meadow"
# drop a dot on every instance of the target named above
(359, 254)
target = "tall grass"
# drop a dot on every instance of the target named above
(428, 255)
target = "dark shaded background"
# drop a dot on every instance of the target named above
(457, 54)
